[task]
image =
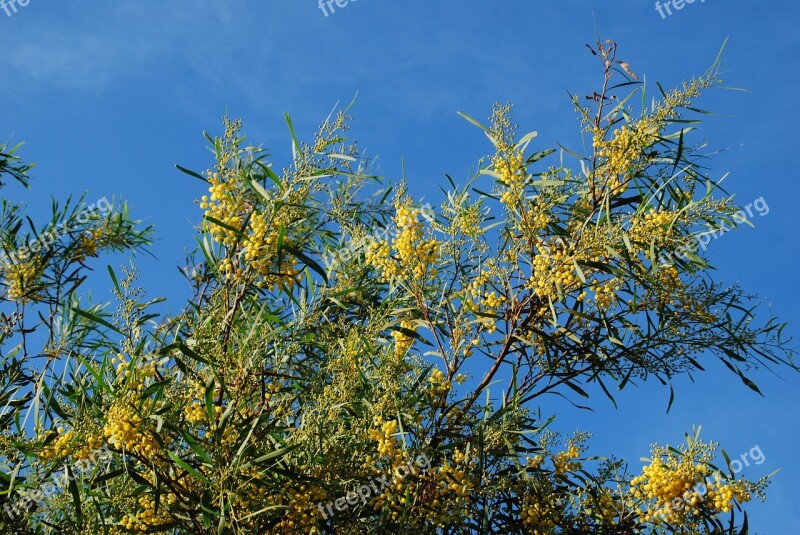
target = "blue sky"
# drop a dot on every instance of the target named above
(109, 96)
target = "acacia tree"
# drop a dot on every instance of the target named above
(351, 363)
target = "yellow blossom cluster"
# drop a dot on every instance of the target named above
(134, 374)
(250, 494)
(195, 409)
(552, 272)
(259, 237)
(492, 301)
(91, 242)
(453, 477)
(260, 251)
(384, 433)
(449, 484)
(678, 98)
(606, 293)
(402, 341)
(655, 227)
(409, 254)
(483, 299)
(91, 444)
(674, 486)
(438, 382)
(149, 516)
(510, 167)
(607, 508)
(223, 206)
(540, 218)
(60, 447)
(302, 513)
(68, 443)
(670, 286)
(622, 153)
(126, 430)
(720, 498)
(22, 278)
(565, 461)
(538, 517)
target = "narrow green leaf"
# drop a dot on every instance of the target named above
(191, 173)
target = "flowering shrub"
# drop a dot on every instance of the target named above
(285, 389)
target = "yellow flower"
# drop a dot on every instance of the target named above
(22, 279)
(409, 254)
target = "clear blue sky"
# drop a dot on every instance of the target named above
(110, 96)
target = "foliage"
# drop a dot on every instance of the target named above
(346, 365)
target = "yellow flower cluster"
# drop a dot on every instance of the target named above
(413, 255)
(622, 153)
(250, 494)
(540, 219)
(492, 301)
(127, 431)
(678, 98)
(384, 435)
(147, 518)
(227, 205)
(476, 292)
(453, 477)
(564, 461)
(92, 443)
(302, 510)
(670, 288)
(538, 517)
(21, 278)
(439, 384)
(511, 169)
(606, 509)
(402, 341)
(260, 250)
(60, 447)
(91, 242)
(720, 498)
(223, 206)
(655, 226)
(69, 443)
(195, 409)
(675, 486)
(379, 255)
(439, 490)
(606, 293)
(551, 272)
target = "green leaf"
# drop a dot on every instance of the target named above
(191, 173)
(114, 280)
(476, 123)
(308, 262)
(97, 319)
(295, 143)
(273, 455)
(576, 388)
(183, 464)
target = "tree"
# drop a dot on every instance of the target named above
(351, 362)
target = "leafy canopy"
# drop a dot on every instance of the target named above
(352, 362)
